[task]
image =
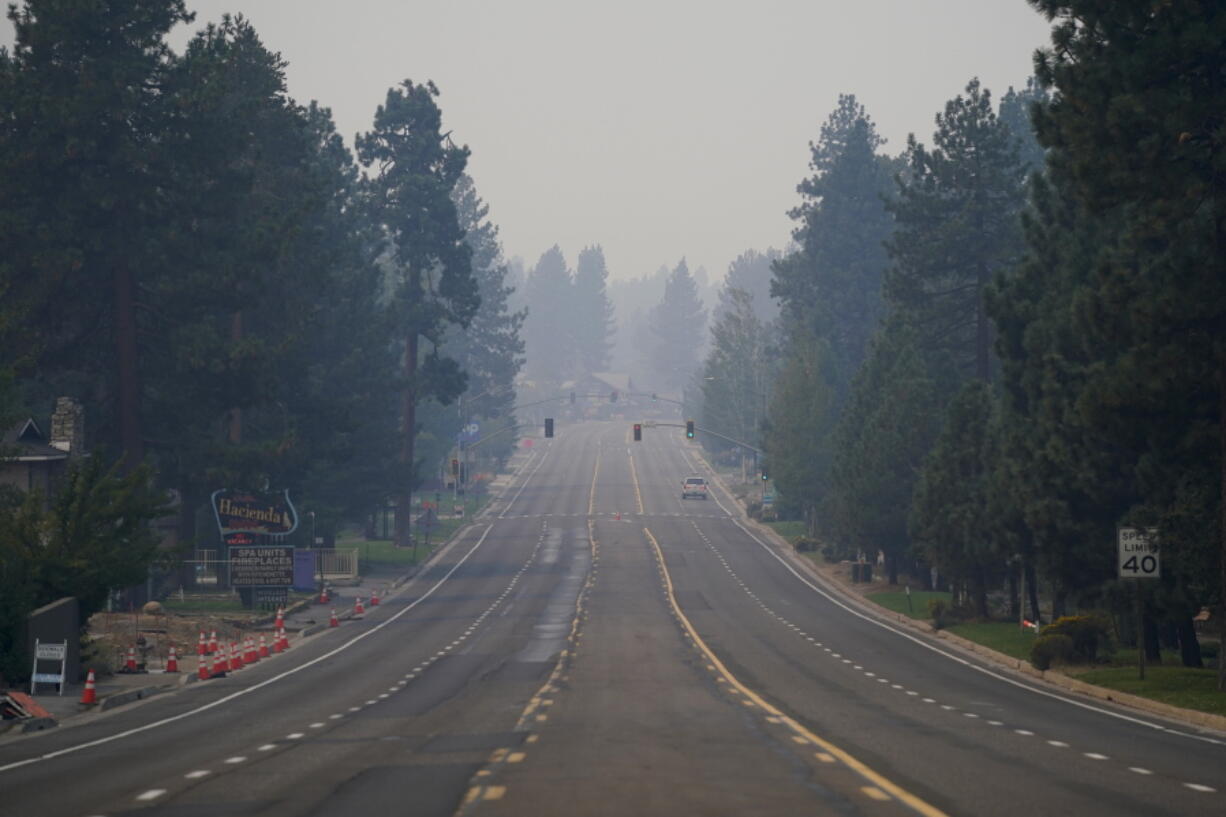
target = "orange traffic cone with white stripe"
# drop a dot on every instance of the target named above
(130, 664)
(263, 647)
(90, 696)
(236, 657)
(220, 665)
(334, 622)
(202, 669)
(172, 661)
(374, 598)
(358, 609)
(202, 647)
(284, 639)
(212, 642)
(280, 622)
(252, 650)
(323, 594)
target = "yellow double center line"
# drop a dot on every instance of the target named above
(874, 778)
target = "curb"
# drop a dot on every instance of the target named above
(37, 725)
(1053, 677)
(121, 698)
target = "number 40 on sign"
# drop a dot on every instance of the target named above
(1138, 553)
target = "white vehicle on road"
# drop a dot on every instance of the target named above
(694, 486)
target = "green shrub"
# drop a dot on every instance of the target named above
(938, 611)
(1089, 635)
(1052, 649)
(805, 545)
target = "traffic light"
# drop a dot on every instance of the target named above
(548, 426)
(689, 429)
(638, 432)
(613, 396)
(455, 468)
(765, 475)
(572, 398)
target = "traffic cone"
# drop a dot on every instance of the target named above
(130, 665)
(236, 657)
(253, 655)
(202, 647)
(212, 642)
(276, 643)
(172, 661)
(374, 598)
(202, 670)
(332, 622)
(90, 696)
(284, 639)
(280, 622)
(358, 609)
(263, 647)
(220, 664)
(323, 595)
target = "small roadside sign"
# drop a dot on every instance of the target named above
(48, 652)
(1138, 553)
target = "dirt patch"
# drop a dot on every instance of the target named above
(152, 636)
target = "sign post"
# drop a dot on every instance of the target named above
(1138, 559)
(261, 572)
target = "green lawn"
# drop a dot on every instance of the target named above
(1002, 636)
(1179, 686)
(381, 552)
(790, 530)
(896, 600)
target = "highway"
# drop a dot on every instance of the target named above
(595, 645)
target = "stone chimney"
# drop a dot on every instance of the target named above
(68, 427)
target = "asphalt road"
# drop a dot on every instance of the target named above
(596, 645)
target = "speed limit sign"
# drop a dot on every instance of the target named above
(1138, 553)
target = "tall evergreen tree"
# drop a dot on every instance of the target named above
(418, 169)
(592, 312)
(677, 326)
(734, 373)
(547, 329)
(833, 283)
(750, 272)
(957, 216)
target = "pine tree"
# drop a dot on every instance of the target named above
(734, 373)
(677, 324)
(957, 225)
(547, 329)
(592, 315)
(833, 283)
(418, 169)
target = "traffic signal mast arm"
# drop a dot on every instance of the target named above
(755, 449)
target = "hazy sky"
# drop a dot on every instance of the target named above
(656, 129)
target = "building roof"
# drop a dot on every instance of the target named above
(24, 442)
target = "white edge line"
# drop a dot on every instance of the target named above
(938, 650)
(232, 696)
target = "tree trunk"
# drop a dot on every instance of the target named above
(1189, 645)
(404, 504)
(1221, 611)
(128, 396)
(1032, 590)
(1014, 599)
(1059, 601)
(235, 432)
(1153, 648)
(982, 329)
(981, 593)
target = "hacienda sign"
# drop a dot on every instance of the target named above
(254, 513)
